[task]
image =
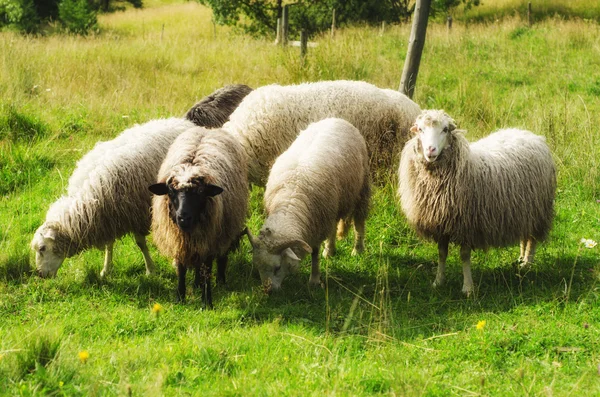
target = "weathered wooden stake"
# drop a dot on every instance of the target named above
(333, 24)
(303, 44)
(449, 23)
(382, 31)
(529, 17)
(278, 32)
(162, 32)
(415, 48)
(284, 25)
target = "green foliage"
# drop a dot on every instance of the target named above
(20, 15)
(19, 126)
(77, 16)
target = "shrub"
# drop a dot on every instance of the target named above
(76, 16)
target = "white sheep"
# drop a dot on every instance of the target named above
(213, 110)
(491, 193)
(107, 197)
(200, 204)
(323, 177)
(268, 120)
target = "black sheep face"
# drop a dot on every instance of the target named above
(187, 200)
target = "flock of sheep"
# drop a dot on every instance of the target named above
(314, 147)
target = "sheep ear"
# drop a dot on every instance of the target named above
(414, 129)
(464, 132)
(160, 189)
(294, 244)
(290, 254)
(212, 190)
(253, 240)
(49, 234)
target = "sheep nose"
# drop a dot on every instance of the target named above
(430, 150)
(184, 221)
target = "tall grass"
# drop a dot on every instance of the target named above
(378, 327)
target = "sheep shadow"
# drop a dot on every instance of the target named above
(400, 292)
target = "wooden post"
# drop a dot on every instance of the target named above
(278, 32)
(382, 31)
(284, 25)
(162, 32)
(303, 44)
(415, 48)
(333, 24)
(529, 18)
(449, 23)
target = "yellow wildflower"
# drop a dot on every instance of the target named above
(83, 356)
(480, 325)
(157, 308)
(61, 383)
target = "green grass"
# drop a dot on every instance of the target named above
(378, 327)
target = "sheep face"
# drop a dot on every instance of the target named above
(188, 197)
(433, 129)
(47, 259)
(275, 263)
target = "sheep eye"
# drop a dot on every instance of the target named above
(276, 269)
(42, 248)
(446, 129)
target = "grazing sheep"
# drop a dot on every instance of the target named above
(213, 111)
(269, 119)
(200, 204)
(107, 197)
(323, 177)
(491, 193)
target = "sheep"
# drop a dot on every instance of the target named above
(491, 193)
(321, 178)
(200, 205)
(214, 110)
(107, 197)
(268, 120)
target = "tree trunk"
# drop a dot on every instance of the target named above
(415, 48)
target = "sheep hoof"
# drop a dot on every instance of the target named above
(103, 273)
(438, 283)
(315, 282)
(358, 250)
(467, 290)
(328, 253)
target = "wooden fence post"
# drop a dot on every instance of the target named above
(278, 32)
(303, 44)
(449, 23)
(415, 48)
(333, 24)
(529, 17)
(284, 25)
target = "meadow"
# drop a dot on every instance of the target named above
(378, 326)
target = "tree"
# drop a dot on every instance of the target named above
(415, 47)
(260, 16)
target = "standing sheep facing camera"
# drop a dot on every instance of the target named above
(323, 177)
(107, 197)
(200, 204)
(213, 110)
(270, 118)
(491, 193)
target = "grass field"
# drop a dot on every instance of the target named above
(378, 327)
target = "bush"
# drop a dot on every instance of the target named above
(76, 16)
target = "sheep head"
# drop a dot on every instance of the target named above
(434, 131)
(47, 258)
(275, 261)
(188, 193)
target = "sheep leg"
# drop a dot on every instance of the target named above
(108, 262)
(202, 280)
(529, 251)
(440, 276)
(221, 266)
(359, 235)
(522, 252)
(342, 229)
(315, 273)
(465, 257)
(329, 250)
(181, 271)
(140, 240)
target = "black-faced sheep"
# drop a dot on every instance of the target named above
(269, 119)
(200, 204)
(495, 192)
(213, 110)
(107, 197)
(323, 177)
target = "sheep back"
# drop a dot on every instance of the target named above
(319, 179)
(494, 192)
(217, 157)
(214, 110)
(107, 194)
(269, 119)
